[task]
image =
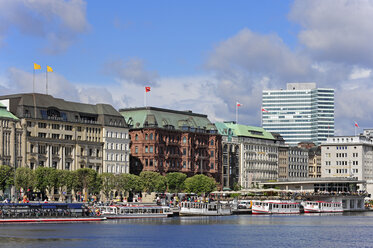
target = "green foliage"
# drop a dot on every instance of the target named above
(235, 195)
(236, 187)
(86, 179)
(153, 181)
(200, 184)
(24, 178)
(130, 183)
(6, 177)
(108, 183)
(175, 182)
(46, 178)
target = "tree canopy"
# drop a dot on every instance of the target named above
(6, 177)
(200, 184)
(175, 182)
(153, 181)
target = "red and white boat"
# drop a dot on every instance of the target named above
(322, 207)
(275, 207)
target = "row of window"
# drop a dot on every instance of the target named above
(117, 135)
(113, 146)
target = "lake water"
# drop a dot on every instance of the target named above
(314, 230)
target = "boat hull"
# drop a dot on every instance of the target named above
(41, 220)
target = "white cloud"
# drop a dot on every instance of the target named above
(132, 71)
(359, 73)
(58, 20)
(336, 30)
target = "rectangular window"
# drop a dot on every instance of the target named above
(136, 149)
(55, 136)
(151, 149)
(68, 128)
(212, 153)
(42, 125)
(42, 135)
(184, 151)
(68, 137)
(55, 150)
(146, 162)
(146, 149)
(184, 164)
(55, 126)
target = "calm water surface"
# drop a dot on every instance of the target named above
(347, 230)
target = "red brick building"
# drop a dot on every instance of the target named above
(164, 140)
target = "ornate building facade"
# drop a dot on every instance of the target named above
(164, 140)
(64, 135)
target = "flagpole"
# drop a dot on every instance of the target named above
(33, 82)
(145, 98)
(236, 112)
(46, 80)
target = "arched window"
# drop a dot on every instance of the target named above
(212, 142)
(184, 140)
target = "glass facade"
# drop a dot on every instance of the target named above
(299, 114)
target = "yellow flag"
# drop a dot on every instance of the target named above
(49, 69)
(36, 66)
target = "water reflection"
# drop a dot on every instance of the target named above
(311, 230)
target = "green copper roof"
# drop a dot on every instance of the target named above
(4, 113)
(238, 130)
(165, 118)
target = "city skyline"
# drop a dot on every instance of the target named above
(199, 56)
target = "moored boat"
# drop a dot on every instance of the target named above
(45, 212)
(205, 209)
(275, 207)
(131, 212)
(322, 207)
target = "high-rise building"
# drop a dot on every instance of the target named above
(300, 113)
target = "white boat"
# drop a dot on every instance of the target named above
(131, 212)
(275, 207)
(205, 209)
(322, 207)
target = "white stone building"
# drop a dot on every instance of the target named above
(349, 156)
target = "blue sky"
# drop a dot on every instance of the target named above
(198, 55)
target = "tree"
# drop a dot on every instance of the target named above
(153, 181)
(109, 181)
(24, 178)
(200, 184)
(46, 179)
(6, 177)
(175, 181)
(130, 183)
(85, 180)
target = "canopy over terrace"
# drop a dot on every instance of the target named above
(349, 185)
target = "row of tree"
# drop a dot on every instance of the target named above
(45, 179)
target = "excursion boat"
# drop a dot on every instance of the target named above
(322, 207)
(45, 212)
(132, 212)
(275, 207)
(205, 209)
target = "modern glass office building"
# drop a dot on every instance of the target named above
(302, 112)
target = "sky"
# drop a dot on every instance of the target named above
(202, 56)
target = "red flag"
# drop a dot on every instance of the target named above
(238, 104)
(147, 89)
(356, 125)
(264, 110)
